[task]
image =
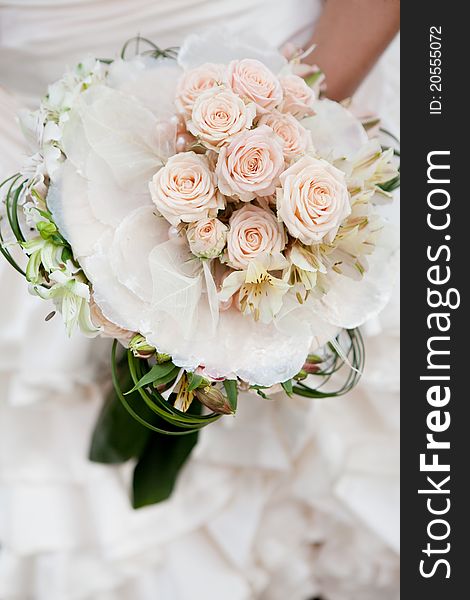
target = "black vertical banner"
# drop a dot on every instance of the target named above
(435, 240)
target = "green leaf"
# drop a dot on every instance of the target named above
(260, 391)
(156, 372)
(169, 421)
(117, 436)
(173, 374)
(231, 389)
(194, 381)
(67, 254)
(391, 185)
(288, 387)
(158, 468)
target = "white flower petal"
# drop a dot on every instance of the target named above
(124, 134)
(132, 245)
(109, 202)
(177, 286)
(350, 303)
(336, 133)
(117, 303)
(68, 202)
(151, 81)
(257, 353)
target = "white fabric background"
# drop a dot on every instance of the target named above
(292, 498)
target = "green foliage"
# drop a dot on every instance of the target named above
(231, 390)
(11, 205)
(158, 467)
(117, 436)
(391, 185)
(171, 420)
(158, 375)
(288, 387)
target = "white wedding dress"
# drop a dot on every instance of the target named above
(290, 500)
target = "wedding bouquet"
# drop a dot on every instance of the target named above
(207, 209)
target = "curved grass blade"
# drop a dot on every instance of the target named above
(355, 355)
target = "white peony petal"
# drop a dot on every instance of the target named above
(350, 303)
(110, 203)
(133, 242)
(259, 354)
(218, 46)
(211, 291)
(74, 142)
(296, 319)
(124, 134)
(117, 303)
(152, 81)
(177, 285)
(67, 200)
(336, 133)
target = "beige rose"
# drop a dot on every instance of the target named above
(299, 98)
(313, 201)
(252, 80)
(251, 164)
(255, 233)
(219, 114)
(184, 189)
(296, 139)
(207, 238)
(196, 81)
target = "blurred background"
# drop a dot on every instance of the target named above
(293, 499)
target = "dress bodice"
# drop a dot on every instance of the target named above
(39, 37)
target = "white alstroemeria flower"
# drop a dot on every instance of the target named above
(46, 250)
(32, 206)
(42, 252)
(260, 293)
(43, 128)
(62, 94)
(71, 297)
(356, 240)
(51, 147)
(34, 171)
(370, 168)
(306, 262)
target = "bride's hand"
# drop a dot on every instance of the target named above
(350, 36)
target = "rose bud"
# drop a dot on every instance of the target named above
(214, 400)
(314, 359)
(310, 368)
(207, 237)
